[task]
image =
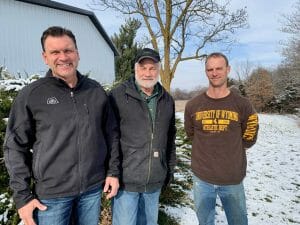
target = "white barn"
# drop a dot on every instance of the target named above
(22, 24)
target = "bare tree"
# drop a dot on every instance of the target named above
(243, 70)
(180, 29)
(292, 21)
(291, 25)
(289, 71)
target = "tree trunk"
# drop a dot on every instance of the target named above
(165, 78)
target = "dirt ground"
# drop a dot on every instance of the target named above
(179, 105)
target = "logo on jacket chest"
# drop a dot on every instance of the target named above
(52, 101)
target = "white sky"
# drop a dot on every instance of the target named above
(259, 44)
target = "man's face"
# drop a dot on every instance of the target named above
(61, 56)
(217, 71)
(147, 73)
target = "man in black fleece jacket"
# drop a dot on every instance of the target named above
(61, 135)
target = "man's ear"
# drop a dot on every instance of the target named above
(44, 56)
(228, 69)
(78, 55)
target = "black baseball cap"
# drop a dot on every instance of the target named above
(147, 53)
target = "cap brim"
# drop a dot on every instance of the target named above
(148, 57)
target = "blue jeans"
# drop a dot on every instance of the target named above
(86, 209)
(134, 208)
(232, 197)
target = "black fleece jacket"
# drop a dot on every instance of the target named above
(148, 154)
(60, 137)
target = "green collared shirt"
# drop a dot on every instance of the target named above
(151, 100)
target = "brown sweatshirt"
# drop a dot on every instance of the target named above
(220, 130)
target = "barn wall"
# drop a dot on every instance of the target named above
(22, 25)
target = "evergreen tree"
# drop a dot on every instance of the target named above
(127, 47)
(6, 206)
(6, 98)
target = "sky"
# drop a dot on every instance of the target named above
(259, 44)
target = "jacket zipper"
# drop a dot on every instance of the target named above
(151, 144)
(77, 140)
(150, 161)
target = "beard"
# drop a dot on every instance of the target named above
(146, 83)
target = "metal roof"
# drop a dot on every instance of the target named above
(68, 8)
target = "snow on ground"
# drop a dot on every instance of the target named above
(272, 183)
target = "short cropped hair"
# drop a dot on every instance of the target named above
(57, 31)
(216, 55)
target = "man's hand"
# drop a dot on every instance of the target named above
(111, 187)
(26, 212)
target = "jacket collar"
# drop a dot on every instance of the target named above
(80, 79)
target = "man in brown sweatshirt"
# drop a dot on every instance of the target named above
(222, 125)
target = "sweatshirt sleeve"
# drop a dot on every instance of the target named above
(250, 127)
(18, 142)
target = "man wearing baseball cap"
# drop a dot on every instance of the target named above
(146, 117)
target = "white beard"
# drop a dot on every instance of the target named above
(147, 83)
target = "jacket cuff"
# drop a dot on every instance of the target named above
(112, 175)
(21, 202)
